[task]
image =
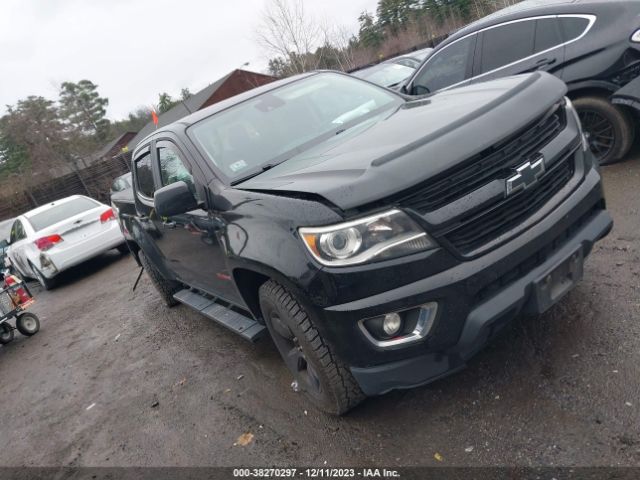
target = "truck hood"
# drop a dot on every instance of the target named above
(418, 141)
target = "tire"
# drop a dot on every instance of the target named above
(611, 131)
(6, 333)
(324, 378)
(123, 249)
(45, 283)
(28, 324)
(166, 288)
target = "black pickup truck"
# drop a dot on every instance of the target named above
(380, 240)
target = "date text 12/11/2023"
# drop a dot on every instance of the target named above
(314, 473)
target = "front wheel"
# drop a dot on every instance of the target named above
(324, 378)
(609, 128)
(28, 324)
(6, 333)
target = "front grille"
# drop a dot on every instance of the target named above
(480, 229)
(537, 259)
(494, 163)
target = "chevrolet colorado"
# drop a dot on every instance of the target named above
(379, 239)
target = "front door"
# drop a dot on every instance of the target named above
(191, 242)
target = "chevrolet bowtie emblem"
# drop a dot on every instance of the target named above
(527, 175)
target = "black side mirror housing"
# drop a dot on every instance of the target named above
(174, 199)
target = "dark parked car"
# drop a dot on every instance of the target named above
(122, 203)
(388, 74)
(593, 45)
(380, 241)
(121, 183)
(393, 72)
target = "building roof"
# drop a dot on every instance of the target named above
(194, 103)
(119, 141)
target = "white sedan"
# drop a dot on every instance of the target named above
(61, 234)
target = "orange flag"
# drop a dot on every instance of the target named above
(154, 117)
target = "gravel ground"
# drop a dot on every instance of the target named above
(116, 379)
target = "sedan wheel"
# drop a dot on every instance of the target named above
(46, 283)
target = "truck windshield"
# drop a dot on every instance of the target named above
(272, 127)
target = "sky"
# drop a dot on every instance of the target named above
(135, 49)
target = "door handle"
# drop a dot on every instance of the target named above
(545, 62)
(169, 225)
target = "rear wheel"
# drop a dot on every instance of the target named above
(28, 324)
(324, 378)
(609, 128)
(166, 288)
(46, 283)
(6, 333)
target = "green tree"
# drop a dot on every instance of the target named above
(165, 102)
(33, 138)
(395, 14)
(84, 110)
(370, 34)
(185, 94)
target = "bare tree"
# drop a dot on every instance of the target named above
(286, 31)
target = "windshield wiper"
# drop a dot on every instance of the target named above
(264, 168)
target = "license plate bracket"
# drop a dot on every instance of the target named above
(557, 282)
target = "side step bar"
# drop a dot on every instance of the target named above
(244, 326)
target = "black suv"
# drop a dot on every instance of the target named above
(380, 240)
(593, 45)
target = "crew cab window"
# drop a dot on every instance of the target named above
(172, 168)
(507, 44)
(446, 68)
(573, 27)
(547, 34)
(144, 176)
(17, 232)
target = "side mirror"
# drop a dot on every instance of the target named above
(174, 199)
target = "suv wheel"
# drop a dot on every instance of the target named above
(166, 288)
(610, 129)
(327, 381)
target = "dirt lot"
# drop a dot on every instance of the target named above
(116, 379)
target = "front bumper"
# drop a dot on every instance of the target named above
(477, 297)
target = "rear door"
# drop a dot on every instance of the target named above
(522, 46)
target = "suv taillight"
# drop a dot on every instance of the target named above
(107, 216)
(45, 243)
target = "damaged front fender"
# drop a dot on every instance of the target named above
(629, 95)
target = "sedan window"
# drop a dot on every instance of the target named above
(60, 212)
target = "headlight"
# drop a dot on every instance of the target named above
(574, 112)
(379, 237)
(636, 37)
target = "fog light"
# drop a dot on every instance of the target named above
(392, 323)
